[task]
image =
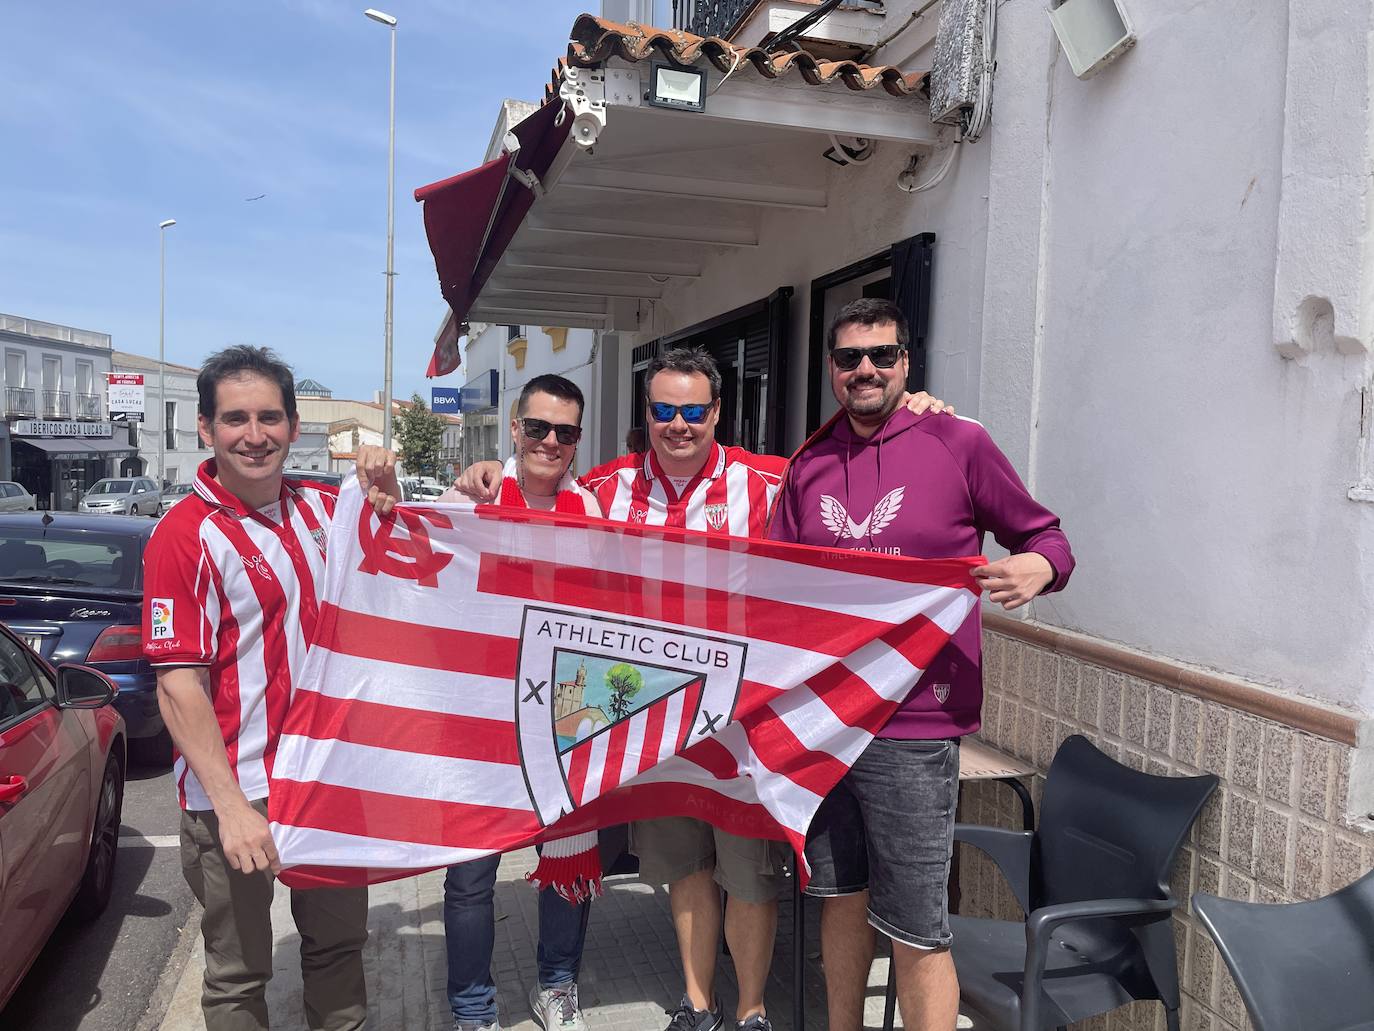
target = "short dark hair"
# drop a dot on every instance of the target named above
(555, 386)
(868, 311)
(240, 359)
(688, 360)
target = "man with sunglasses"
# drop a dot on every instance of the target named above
(687, 479)
(878, 478)
(544, 434)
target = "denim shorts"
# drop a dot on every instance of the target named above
(888, 827)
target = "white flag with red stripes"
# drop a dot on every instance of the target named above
(485, 678)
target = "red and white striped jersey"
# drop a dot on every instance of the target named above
(730, 495)
(237, 590)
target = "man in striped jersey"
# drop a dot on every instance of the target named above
(230, 587)
(687, 479)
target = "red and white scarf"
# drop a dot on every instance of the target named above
(569, 498)
(570, 866)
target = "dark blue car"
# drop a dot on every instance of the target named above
(72, 587)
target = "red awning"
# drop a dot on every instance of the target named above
(471, 218)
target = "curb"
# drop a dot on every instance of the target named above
(183, 1007)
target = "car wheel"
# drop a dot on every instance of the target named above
(98, 880)
(152, 751)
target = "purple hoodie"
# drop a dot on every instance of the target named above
(923, 486)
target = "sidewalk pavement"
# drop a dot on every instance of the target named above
(630, 972)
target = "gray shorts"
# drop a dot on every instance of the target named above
(672, 847)
(888, 827)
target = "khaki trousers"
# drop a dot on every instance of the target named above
(237, 928)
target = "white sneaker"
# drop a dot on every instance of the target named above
(556, 1009)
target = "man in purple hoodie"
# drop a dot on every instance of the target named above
(877, 478)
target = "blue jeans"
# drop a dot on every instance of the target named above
(470, 935)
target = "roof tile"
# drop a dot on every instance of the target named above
(594, 40)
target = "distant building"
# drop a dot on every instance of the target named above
(312, 388)
(169, 413)
(572, 716)
(56, 437)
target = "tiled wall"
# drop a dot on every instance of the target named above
(1274, 831)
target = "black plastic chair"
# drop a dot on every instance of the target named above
(1305, 966)
(1094, 883)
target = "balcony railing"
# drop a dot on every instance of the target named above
(57, 404)
(87, 406)
(710, 17)
(19, 403)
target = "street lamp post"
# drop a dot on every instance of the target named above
(161, 358)
(390, 22)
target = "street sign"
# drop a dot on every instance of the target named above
(126, 396)
(446, 400)
(481, 391)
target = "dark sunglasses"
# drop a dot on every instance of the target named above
(693, 414)
(538, 429)
(884, 356)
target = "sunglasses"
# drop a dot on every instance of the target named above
(538, 429)
(693, 414)
(884, 356)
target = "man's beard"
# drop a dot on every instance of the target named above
(879, 404)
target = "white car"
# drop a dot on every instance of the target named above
(122, 495)
(14, 498)
(176, 492)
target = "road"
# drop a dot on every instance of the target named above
(108, 976)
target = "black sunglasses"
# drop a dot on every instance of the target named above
(538, 429)
(884, 356)
(693, 414)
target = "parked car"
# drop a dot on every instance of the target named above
(62, 768)
(313, 476)
(14, 498)
(171, 495)
(134, 495)
(72, 587)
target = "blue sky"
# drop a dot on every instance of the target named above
(116, 116)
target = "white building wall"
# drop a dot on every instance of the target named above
(1104, 299)
(182, 452)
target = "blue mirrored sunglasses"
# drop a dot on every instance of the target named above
(693, 414)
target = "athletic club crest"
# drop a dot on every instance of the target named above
(319, 537)
(600, 700)
(716, 516)
(942, 693)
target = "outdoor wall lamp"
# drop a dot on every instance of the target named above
(1093, 33)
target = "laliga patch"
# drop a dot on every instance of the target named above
(162, 618)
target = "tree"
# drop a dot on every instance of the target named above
(625, 681)
(419, 436)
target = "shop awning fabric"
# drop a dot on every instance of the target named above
(470, 218)
(599, 198)
(80, 447)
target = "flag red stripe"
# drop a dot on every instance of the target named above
(423, 821)
(935, 572)
(577, 773)
(796, 626)
(919, 640)
(752, 694)
(783, 752)
(388, 640)
(691, 698)
(714, 758)
(653, 736)
(850, 698)
(615, 756)
(415, 731)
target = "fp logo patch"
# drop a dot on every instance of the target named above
(162, 618)
(598, 701)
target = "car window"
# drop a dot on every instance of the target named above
(14, 490)
(81, 557)
(21, 692)
(112, 487)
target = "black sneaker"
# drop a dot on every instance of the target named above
(687, 1019)
(754, 1022)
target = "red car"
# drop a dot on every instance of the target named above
(61, 791)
